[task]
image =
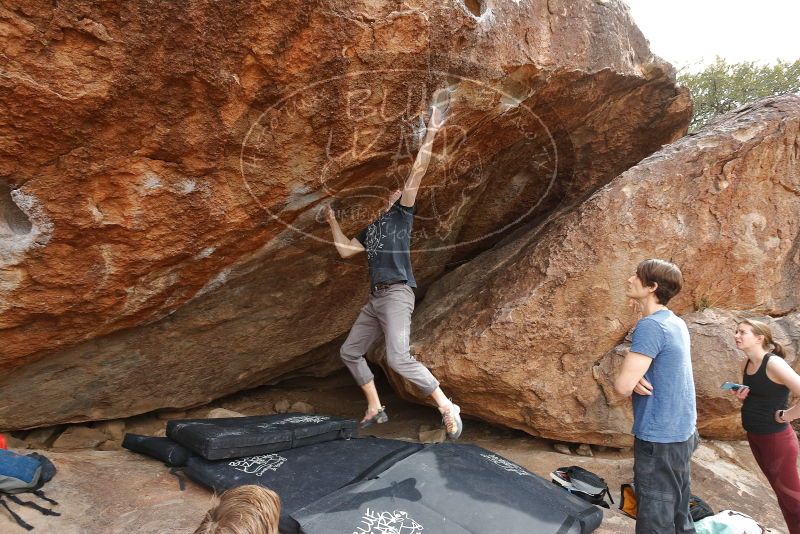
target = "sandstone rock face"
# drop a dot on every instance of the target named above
(222, 412)
(524, 335)
(162, 166)
(80, 437)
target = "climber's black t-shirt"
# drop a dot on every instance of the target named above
(387, 242)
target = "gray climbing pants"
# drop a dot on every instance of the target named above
(387, 312)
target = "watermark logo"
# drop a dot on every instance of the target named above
(386, 522)
(505, 465)
(302, 419)
(258, 465)
(350, 141)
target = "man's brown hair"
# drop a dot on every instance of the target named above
(667, 275)
(247, 509)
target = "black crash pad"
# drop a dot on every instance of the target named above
(450, 489)
(164, 449)
(302, 475)
(237, 437)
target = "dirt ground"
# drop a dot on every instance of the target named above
(115, 491)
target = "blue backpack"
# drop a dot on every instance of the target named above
(24, 474)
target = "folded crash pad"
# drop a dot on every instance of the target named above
(302, 475)
(236, 437)
(450, 489)
(164, 449)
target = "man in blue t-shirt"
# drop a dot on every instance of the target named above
(387, 243)
(657, 372)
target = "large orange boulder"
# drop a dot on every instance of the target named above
(162, 166)
(524, 335)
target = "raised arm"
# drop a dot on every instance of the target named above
(345, 247)
(439, 106)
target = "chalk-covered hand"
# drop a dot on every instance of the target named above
(329, 215)
(440, 105)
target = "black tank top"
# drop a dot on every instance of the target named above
(765, 398)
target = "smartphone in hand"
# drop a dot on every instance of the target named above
(733, 386)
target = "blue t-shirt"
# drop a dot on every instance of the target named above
(387, 242)
(669, 415)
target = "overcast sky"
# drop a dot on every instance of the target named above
(686, 32)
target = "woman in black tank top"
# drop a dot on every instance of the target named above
(764, 400)
(769, 380)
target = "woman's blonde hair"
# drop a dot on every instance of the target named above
(763, 329)
(247, 509)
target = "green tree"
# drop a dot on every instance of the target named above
(723, 86)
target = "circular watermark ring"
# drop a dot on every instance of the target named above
(467, 171)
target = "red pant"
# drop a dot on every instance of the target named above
(776, 455)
